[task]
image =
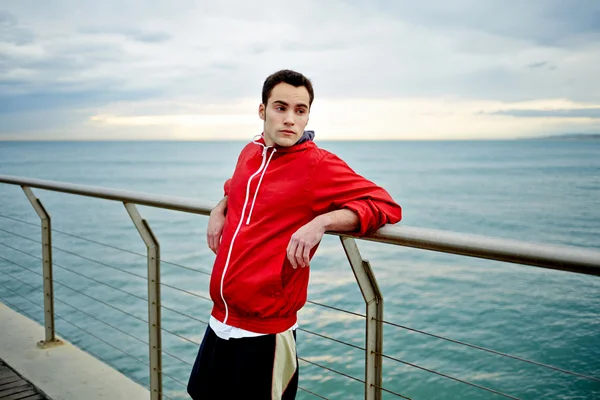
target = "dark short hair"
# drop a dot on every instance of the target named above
(291, 78)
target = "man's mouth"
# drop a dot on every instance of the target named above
(287, 132)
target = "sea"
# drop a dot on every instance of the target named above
(539, 191)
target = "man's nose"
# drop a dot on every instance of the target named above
(289, 119)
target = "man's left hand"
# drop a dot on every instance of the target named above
(303, 241)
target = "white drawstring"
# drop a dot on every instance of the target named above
(263, 169)
(260, 181)
(262, 165)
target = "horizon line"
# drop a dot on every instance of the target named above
(559, 136)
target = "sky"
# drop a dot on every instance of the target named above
(381, 69)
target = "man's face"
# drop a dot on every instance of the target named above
(285, 115)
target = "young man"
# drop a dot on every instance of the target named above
(285, 193)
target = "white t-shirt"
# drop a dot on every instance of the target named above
(227, 332)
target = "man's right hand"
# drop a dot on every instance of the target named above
(215, 225)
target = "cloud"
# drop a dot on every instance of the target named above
(574, 113)
(7, 19)
(344, 119)
(11, 33)
(134, 34)
(538, 64)
(90, 58)
(56, 99)
(552, 23)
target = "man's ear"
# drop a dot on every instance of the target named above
(261, 111)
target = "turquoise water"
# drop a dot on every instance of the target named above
(540, 191)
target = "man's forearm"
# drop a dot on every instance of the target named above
(308, 236)
(220, 208)
(343, 220)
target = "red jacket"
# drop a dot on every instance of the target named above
(273, 192)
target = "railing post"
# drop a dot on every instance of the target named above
(154, 329)
(374, 323)
(50, 336)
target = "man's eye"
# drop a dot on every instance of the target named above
(301, 111)
(279, 108)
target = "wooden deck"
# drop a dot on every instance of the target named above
(13, 387)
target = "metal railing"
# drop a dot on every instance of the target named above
(580, 260)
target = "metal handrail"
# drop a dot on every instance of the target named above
(566, 258)
(54, 230)
(300, 329)
(103, 303)
(559, 257)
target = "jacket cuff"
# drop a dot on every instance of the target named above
(362, 209)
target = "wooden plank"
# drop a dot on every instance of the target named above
(6, 373)
(5, 393)
(14, 387)
(20, 395)
(15, 384)
(10, 379)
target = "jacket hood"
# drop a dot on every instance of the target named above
(307, 135)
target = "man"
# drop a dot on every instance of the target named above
(285, 193)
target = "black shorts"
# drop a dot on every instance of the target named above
(258, 368)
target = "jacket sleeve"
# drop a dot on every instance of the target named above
(227, 184)
(337, 186)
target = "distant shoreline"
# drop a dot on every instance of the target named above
(569, 136)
